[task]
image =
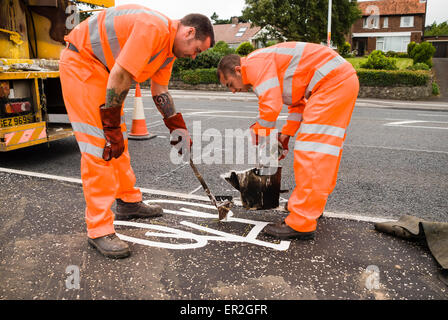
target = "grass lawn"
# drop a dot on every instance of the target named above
(402, 63)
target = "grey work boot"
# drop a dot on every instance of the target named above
(129, 210)
(111, 246)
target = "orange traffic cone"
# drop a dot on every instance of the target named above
(139, 130)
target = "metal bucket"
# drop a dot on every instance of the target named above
(259, 187)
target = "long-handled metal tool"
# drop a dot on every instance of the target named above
(224, 207)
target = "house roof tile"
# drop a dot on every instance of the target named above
(394, 7)
(228, 32)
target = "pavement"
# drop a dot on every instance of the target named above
(440, 67)
(188, 255)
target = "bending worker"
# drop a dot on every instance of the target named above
(319, 88)
(104, 55)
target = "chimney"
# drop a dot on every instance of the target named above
(235, 20)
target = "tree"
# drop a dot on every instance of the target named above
(303, 20)
(244, 49)
(437, 29)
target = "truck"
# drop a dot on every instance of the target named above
(32, 109)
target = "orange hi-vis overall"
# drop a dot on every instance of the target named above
(141, 41)
(320, 89)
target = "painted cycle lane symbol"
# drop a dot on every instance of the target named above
(190, 240)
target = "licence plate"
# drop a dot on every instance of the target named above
(16, 121)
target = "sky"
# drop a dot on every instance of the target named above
(176, 9)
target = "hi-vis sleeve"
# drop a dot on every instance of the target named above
(262, 74)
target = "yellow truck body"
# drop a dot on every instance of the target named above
(32, 109)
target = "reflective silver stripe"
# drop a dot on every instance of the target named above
(167, 62)
(278, 50)
(294, 116)
(289, 73)
(88, 129)
(90, 149)
(95, 40)
(322, 129)
(110, 30)
(111, 13)
(266, 85)
(122, 12)
(320, 73)
(125, 135)
(154, 56)
(317, 147)
(265, 123)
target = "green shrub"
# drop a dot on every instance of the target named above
(244, 49)
(390, 78)
(223, 48)
(271, 43)
(435, 89)
(378, 60)
(204, 60)
(419, 66)
(423, 52)
(344, 50)
(411, 47)
(391, 54)
(198, 76)
(402, 55)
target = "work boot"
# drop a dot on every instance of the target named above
(111, 246)
(282, 231)
(129, 210)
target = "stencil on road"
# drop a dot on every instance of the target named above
(181, 239)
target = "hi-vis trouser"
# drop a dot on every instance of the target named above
(84, 89)
(318, 150)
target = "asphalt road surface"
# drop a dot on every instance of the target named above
(395, 163)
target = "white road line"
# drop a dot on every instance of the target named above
(198, 188)
(346, 216)
(391, 148)
(397, 123)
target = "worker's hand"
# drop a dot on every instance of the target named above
(283, 148)
(178, 133)
(111, 119)
(255, 137)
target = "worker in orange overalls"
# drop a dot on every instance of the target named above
(320, 89)
(104, 55)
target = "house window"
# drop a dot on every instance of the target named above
(371, 22)
(380, 44)
(241, 32)
(386, 22)
(397, 44)
(407, 21)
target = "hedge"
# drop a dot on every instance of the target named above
(198, 76)
(390, 78)
(367, 77)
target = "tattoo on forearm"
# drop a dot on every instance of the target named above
(114, 99)
(165, 105)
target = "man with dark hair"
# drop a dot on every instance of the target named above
(320, 89)
(104, 55)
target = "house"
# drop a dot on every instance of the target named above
(388, 25)
(236, 33)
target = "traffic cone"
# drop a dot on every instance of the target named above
(139, 130)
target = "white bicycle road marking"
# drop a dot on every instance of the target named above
(196, 240)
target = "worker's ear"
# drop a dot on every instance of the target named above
(190, 33)
(238, 70)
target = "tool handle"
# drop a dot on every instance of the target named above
(202, 181)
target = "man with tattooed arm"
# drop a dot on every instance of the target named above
(104, 54)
